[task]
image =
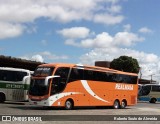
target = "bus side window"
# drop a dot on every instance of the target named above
(7, 75)
(117, 78)
(76, 74)
(155, 88)
(20, 75)
(100, 76)
(89, 75)
(2, 75)
(63, 73)
(59, 83)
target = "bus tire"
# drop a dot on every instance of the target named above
(123, 104)
(116, 104)
(153, 100)
(69, 104)
(2, 97)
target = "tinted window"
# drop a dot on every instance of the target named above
(76, 74)
(156, 88)
(57, 85)
(80, 74)
(62, 72)
(134, 79)
(146, 90)
(43, 71)
(101, 76)
(89, 75)
(119, 78)
(6, 75)
(38, 87)
(20, 75)
(104, 76)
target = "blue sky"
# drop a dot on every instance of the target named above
(82, 31)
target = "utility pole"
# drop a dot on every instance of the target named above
(151, 77)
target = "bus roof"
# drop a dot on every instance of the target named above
(15, 69)
(96, 68)
(150, 84)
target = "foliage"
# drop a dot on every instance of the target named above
(125, 63)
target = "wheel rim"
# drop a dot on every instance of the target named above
(116, 105)
(123, 104)
(68, 105)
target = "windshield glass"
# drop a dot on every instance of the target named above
(145, 90)
(38, 87)
(43, 71)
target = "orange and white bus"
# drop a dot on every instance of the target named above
(70, 85)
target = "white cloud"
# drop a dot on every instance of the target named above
(75, 32)
(145, 30)
(105, 40)
(150, 63)
(20, 12)
(31, 30)
(127, 27)
(126, 38)
(60, 10)
(44, 57)
(101, 40)
(72, 43)
(108, 19)
(113, 1)
(115, 9)
(37, 58)
(51, 56)
(8, 30)
(107, 47)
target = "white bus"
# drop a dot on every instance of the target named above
(14, 84)
(149, 92)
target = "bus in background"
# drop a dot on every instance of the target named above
(70, 85)
(149, 92)
(14, 84)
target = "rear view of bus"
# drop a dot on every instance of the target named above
(14, 84)
(70, 85)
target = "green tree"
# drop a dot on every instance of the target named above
(125, 63)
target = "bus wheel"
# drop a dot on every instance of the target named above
(2, 97)
(153, 100)
(116, 104)
(69, 104)
(123, 104)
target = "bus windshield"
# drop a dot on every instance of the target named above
(144, 90)
(38, 87)
(43, 71)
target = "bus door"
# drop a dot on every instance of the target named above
(58, 84)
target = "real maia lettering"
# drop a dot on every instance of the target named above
(124, 87)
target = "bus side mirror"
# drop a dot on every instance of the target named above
(27, 79)
(50, 77)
